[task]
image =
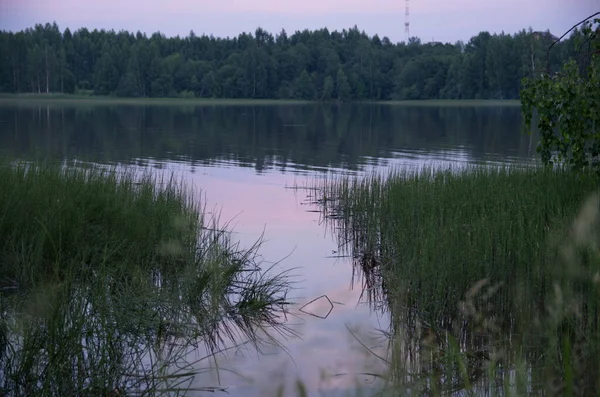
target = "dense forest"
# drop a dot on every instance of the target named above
(319, 65)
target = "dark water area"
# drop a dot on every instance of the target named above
(287, 138)
(243, 161)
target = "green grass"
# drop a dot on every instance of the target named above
(482, 271)
(68, 99)
(109, 279)
(74, 99)
(455, 102)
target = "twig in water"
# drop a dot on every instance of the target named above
(314, 300)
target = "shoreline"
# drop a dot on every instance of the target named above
(105, 100)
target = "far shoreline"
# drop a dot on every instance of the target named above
(73, 99)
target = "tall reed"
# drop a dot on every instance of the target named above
(469, 266)
(110, 279)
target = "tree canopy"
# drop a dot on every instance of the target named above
(319, 64)
(566, 104)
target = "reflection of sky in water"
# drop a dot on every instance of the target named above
(246, 180)
(456, 157)
(258, 203)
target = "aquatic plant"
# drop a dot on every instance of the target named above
(471, 267)
(109, 280)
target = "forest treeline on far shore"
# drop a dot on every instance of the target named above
(312, 65)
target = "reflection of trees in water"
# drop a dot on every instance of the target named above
(259, 136)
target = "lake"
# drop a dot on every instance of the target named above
(249, 164)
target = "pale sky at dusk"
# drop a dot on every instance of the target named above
(445, 21)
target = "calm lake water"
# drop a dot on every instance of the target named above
(244, 162)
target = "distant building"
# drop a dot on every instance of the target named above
(544, 36)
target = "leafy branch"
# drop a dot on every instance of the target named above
(590, 37)
(567, 107)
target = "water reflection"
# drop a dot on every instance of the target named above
(300, 138)
(261, 204)
(244, 163)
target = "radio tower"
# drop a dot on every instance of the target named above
(406, 23)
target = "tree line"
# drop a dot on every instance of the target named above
(314, 65)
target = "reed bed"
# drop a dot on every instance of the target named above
(109, 280)
(491, 275)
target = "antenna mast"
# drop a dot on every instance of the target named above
(406, 23)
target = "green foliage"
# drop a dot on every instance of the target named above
(342, 88)
(44, 60)
(162, 86)
(304, 87)
(108, 280)
(328, 86)
(483, 271)
(566, 105)
(419, 225)
(128, 86)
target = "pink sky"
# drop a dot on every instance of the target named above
(430, 19)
